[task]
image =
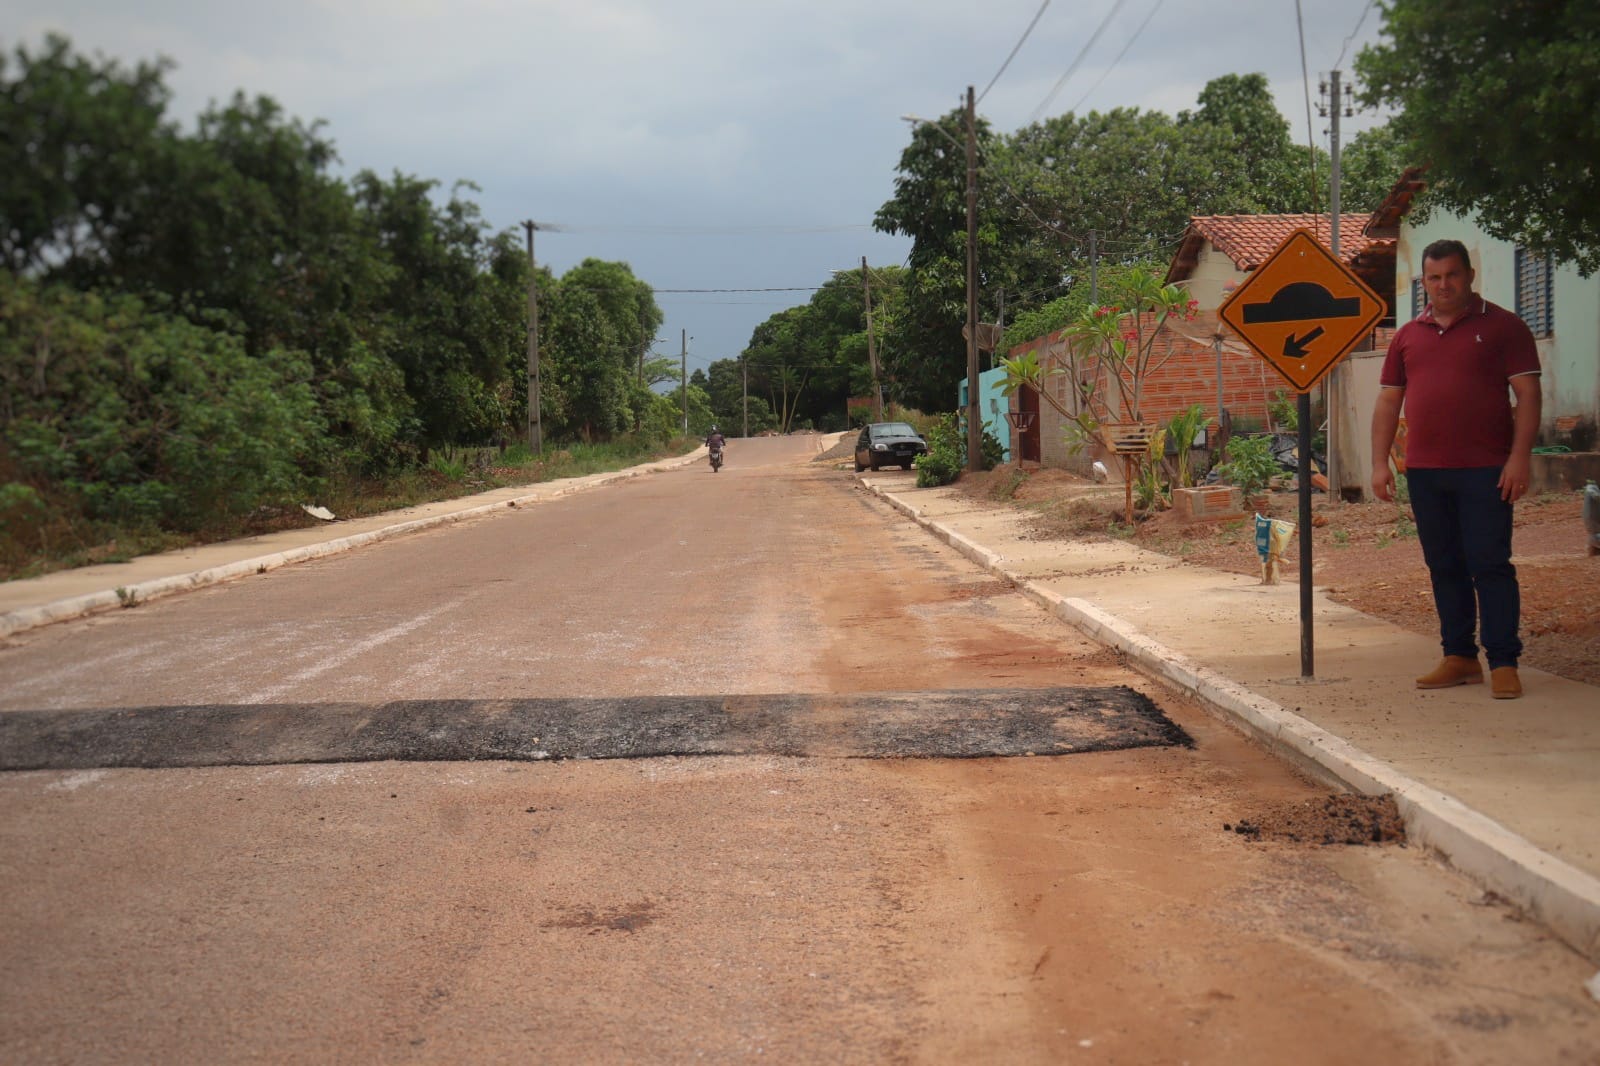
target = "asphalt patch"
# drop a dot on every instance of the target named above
(910, 725)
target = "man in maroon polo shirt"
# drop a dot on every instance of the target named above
(1468, 453)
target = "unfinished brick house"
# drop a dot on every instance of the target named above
(1200, 359)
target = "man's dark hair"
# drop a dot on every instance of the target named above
(1444, 250)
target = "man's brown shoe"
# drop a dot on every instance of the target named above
(1453, 670)
(1504, 684)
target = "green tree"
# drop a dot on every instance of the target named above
(598, 312)
(1132, 177)
(81, 138)
(1110, 355)
(124, 414)
(781, 364)
(1500, 101)
(924, 354)
(1271, 174)
(1368, 168)
(451, 316)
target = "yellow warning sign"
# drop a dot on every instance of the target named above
(1302, 310)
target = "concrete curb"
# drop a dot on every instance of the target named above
(1553, 892)
(131, 595)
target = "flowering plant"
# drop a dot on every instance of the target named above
(1110, 351)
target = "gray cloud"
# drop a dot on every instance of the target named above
(625, 118)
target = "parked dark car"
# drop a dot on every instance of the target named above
(888, 444)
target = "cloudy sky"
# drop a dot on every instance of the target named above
(710, 144)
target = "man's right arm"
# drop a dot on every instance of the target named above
(1385, 424)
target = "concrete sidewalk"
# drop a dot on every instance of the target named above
(1508, 791)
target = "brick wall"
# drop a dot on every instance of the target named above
(1187, 376)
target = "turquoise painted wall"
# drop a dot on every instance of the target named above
(992, 405)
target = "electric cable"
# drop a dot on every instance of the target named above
(1076, 63)
(706, 231)
(1305, 77)
(791, 288)
(1347, 40)
(1079, 105)
(1014, 51)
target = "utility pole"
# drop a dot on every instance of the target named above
(974, 426)
(1334, 392)
(872, 351)
(685, 371)
(535, 424)
(744, 367)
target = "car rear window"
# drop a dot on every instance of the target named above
(893, 429)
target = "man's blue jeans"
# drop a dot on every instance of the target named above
(1465, 529)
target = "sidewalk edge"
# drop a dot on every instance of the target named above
(1555, 893)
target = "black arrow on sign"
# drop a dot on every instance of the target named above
(1296, 348)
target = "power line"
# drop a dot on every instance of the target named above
(1014, 51)
(713, 231)
(1079, 105)
(1076, 63)
(1347, 40)
(1305, 77)
(792, 288)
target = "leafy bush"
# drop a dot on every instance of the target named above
(945, 457)
(1250, 464)
(140, 418)
(992, 452)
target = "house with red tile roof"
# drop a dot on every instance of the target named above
(1201, 362)
(1217, 250)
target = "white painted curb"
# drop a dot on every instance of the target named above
(1553, 892)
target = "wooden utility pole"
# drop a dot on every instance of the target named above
(872, 351)
(974, 425)
(685, 371)
(744, 367)
(535, 425)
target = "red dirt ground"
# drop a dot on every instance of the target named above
(1366, 554)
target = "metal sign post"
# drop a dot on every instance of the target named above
(1302, 310)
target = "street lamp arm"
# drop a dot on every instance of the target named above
(918, 120)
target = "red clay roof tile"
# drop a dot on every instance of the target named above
(1249, 239)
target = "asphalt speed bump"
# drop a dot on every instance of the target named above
(911, 725)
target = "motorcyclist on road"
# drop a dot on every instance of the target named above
(714, 442)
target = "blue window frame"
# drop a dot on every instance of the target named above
(1535, 292)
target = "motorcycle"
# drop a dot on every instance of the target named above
(716, 460)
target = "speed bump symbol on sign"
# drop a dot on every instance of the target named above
(1302, 310)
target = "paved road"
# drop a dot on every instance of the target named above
(1085, 907)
